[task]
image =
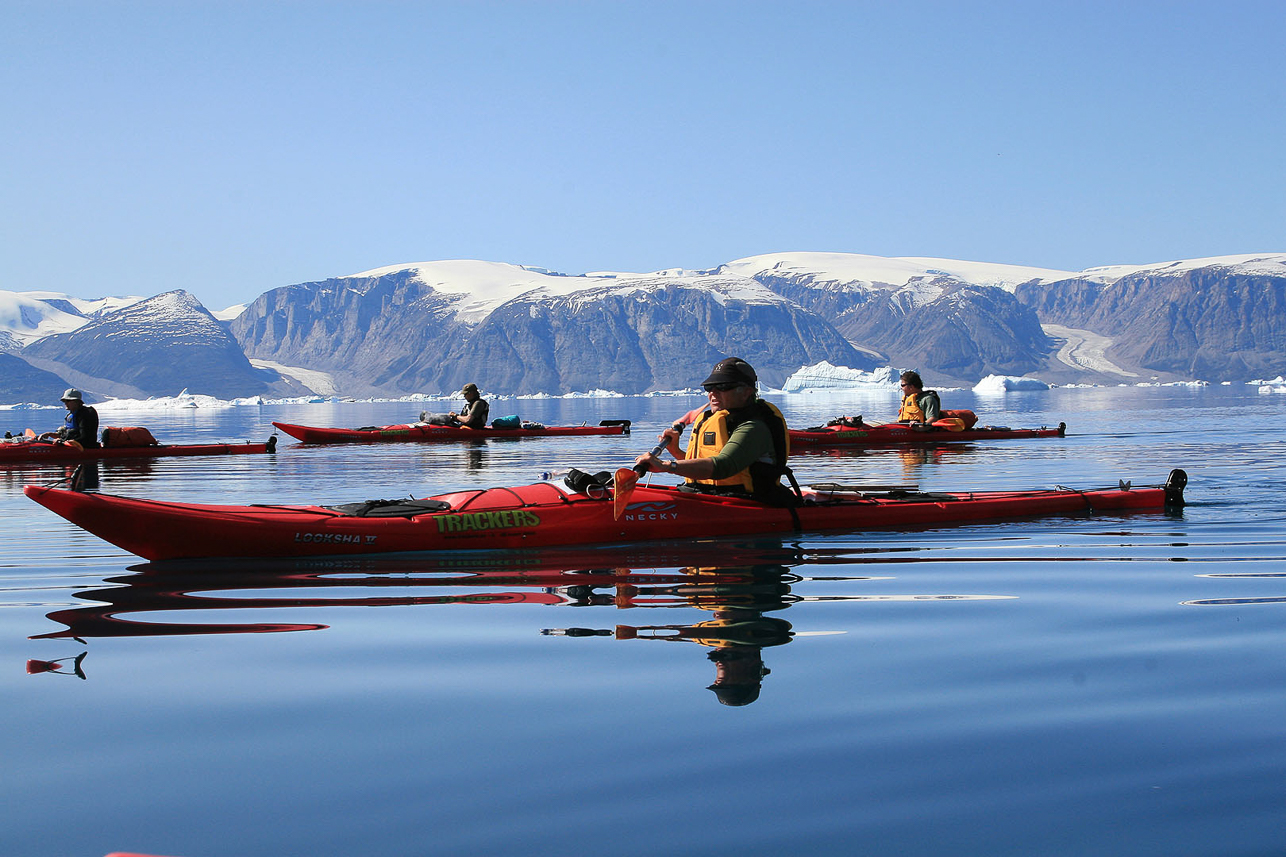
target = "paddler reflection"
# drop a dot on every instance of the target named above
(736, 635)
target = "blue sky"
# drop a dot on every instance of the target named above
(232, 147)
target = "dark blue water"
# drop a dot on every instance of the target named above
(1080, 686)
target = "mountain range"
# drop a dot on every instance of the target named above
(431, 327)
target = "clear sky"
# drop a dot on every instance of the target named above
(232, 147)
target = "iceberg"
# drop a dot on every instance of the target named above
(997, 384)
(825, 376)
(1272, 385)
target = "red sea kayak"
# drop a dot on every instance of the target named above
(543, 515)
(424, 432)
(897, 433)
(23, 451)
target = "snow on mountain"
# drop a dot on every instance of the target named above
(1262, 264)
(855, 269)
(477, 288)
(28, 316)
(923, 277)
(27, 319)
(155, 346)
(230, 313)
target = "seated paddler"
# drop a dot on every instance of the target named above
(738, 442)
(474, 413)
(918, 404)
(80, 424)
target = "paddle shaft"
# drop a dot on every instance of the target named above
(661, 447)
(677, 426)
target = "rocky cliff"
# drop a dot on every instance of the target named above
(400, 331)
(1214, 322)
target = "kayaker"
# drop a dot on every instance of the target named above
(738, 443)
(474, 413)
(918, 404)
(79, 425)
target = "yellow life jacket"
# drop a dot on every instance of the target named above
(911, 410)
(710, 434)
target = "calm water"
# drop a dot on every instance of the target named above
(1079, 686)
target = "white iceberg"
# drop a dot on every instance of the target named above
(996, 384)
(824, 376)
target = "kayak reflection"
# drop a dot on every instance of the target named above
(741, 584)
(518, 577)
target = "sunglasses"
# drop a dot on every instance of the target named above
(722, 388)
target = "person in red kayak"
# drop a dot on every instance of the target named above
(474, 412)
(80, 424)
(738, 443)
(918, 404)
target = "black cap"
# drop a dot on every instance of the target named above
(731, 369)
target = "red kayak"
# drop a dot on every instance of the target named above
(425, 432)
(898, 433)
(545, 514)
(23, 451)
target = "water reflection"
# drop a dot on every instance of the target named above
(742, 585)
(914, 460)
(1239, 600)
(469, 453)
(60, 666)
(544, 577)
(737, 633)
(16, 475)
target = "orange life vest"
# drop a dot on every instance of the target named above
(711, 432)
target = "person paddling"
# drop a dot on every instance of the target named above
(738, 443)
(79, 425)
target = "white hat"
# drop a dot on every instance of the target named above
(72, 395)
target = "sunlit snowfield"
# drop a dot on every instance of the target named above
(1078, 686)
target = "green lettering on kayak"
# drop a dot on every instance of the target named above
(503, 520)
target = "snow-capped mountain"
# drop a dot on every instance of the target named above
(156, 344)
(28, 316)
(436, 325)
(431, 326)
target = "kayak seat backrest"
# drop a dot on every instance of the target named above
(403, 508)
(119, 436)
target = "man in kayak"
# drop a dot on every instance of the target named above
(738, 443)
(918, 404)
(474, 413)
(79, 425)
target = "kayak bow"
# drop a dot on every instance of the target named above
(544, 515)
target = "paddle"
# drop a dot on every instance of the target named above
(627, 477)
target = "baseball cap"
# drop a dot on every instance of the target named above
(731, 369)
